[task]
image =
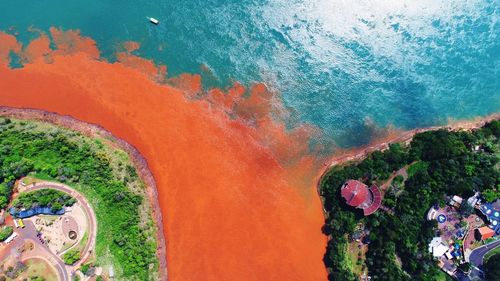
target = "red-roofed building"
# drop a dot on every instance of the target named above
(485, 232)
(358, 195)
(377, 200)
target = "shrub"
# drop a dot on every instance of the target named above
(6, 232)
(85, 268)
(71, 256)
(45, 198)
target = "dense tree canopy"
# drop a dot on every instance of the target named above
(43, 198)
(441, 163)
(53, 153)
(492, 268)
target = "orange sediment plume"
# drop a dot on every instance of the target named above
(189, 84)
(236, 189)
(131, 46)
(8, 44)
(148, 67)
(70, 42)
(38, 48)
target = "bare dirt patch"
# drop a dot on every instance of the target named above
(38, 267)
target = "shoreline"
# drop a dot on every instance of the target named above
(139, 162)
(406, 137)
(141, 165)
(403, 137)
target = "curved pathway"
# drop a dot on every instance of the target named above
(53, 263)
(89, 212)
(41, 251)
(476, 259)
(477, 256)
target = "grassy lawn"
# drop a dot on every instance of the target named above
(353, 256)
(492, 253)
(441, 276)
(416, 167)
(103, 173)
(28, 180)
(38, 268)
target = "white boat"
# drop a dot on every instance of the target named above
(154, 21)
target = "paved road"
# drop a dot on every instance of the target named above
(89, 212)
(477, 256)
(41, 251)
(476, 259)
(92, 224)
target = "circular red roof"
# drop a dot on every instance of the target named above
(355, 193)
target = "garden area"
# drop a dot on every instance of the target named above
(34, 269)
(491, 268)
(52, 198)
(102, 173)
(5, 232)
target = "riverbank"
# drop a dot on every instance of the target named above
(139, 162)
(207, 164)
(397, 136)
(358, 154)
(450, 151)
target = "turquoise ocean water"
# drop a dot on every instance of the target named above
(340, 65)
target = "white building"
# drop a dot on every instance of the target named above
(472, 201)
(437, 247)
(456, 201)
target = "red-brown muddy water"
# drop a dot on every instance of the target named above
(236, 190)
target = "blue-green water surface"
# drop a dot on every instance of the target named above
(340, 65)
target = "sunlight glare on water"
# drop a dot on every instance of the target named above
(407, 63)
(337, 64)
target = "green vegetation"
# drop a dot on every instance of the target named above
(492, 194)
(444, 163)
(5, 232)
(491, 268)
(71, 256)
(417, 167)
(44, 198)
(491, 253)
(398, 181)
(84, 268)
(13, 272)
(465, 267)
(102, 173)
(31, 270)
